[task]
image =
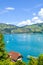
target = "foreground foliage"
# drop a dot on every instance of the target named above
(8, 62)
(32, 61)
(3, 53)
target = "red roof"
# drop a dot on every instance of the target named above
(14, 55)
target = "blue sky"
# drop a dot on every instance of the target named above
(21, 12)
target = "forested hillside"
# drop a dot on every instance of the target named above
(35, 28)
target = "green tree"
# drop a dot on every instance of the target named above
(33, 61)
(3, 54)
(40, 60)
(20, 63)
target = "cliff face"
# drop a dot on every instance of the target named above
(35, 28)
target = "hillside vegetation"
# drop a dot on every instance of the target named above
(35, 28)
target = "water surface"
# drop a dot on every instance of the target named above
(26, 44)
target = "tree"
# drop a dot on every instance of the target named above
(40, 60)
(20, 63)
(3, 54)
(33, 61)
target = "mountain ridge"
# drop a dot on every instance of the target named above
(9, 28)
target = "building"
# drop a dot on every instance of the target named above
(14, 56)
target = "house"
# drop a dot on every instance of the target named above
(14, 56)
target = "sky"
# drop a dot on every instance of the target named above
(21, 12)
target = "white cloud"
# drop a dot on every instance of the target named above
(40, 13)
(27, 22)
(10, 8)
(7, 9)
(36, 20)
(7, 23)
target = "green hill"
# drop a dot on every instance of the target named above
(35, 28)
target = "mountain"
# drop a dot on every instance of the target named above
(35, 28)
(7, 28)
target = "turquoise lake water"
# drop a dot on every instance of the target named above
(26, 44)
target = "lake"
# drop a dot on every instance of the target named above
(26, 44)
